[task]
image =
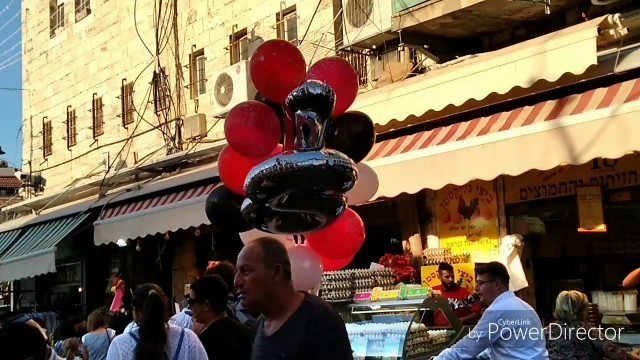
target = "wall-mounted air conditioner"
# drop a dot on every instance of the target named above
(231, 87)
(364, 19)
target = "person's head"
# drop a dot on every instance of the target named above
(492, 279)
(208, 298)
(95, 321)
(263, 271)
(71, 348)
(75, 326)
(150, 312)
(225, 270)
(570, 306)
(22, 341)
(447, 276)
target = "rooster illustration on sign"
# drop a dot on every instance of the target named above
(465, 210)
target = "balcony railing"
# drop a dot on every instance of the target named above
(360, 63)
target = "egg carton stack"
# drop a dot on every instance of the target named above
(422, 341)
(342, 285)
(437, 256)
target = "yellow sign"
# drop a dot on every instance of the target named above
(563, 180)
(590, 210)
(465, 272)
(468, 220)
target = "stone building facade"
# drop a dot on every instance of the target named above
(99, 92)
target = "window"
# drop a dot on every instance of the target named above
(287, 25)
(97, 117)
(47, 137)
(161, 93)
(56, 16)
(128, 107)
(72, 131)
(239, 46)
(83, 9)
(198, 74)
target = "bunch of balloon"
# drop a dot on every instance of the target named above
(292, 161)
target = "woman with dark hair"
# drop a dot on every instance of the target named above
(153, 338)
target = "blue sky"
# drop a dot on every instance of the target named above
(11, 77)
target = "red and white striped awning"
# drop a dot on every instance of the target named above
(603, 122)
(169, 212)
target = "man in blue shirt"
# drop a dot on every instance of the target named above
(508, 329)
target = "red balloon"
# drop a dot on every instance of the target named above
(340, 76)
(333, 264)
(341, 239)
(234, 168)
(277, 67)
(252, 129)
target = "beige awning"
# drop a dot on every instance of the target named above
(571, 50)
(603, 122)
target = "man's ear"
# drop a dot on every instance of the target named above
(277, 270)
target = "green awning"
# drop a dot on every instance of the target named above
(34, 252)
(7, 238)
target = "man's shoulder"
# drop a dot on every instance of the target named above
(318, 306)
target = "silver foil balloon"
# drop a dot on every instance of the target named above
(310, 107)
(298, 192)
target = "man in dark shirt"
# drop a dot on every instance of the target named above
(293, 324)
(222, 337)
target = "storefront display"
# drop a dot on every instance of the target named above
(399, 329)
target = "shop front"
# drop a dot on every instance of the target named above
(471, 195)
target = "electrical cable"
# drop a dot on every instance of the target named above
(310, 22)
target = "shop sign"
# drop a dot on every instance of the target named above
(563, 180)
(465, 273)
(590, 209)
(468, 220)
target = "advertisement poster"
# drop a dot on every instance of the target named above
(464, 273)
(468, 220)
(564, 180)
(590, 209)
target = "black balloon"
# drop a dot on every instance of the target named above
(223, 210)
(301, 191)
(353, 134)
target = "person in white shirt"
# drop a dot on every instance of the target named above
(154, 338)
(24, 339)
(508, 329)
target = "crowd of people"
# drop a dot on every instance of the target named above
(253, 311)
(250, 311)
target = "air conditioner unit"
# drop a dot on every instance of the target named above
(194, 127)
(231, 87)
(364, 19)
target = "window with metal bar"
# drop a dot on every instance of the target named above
(239, 46)
(47, 137)
(128, 107)
(56, 16)
(287, 25)
(198, 73)
(161, 93)
(97, 116)
(83, 9)
(72, 131)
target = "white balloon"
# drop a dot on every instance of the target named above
(306, 268)
(366, 185)
(249, 236)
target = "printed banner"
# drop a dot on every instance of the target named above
(466, 273)
(468, 220)
(563, 180)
